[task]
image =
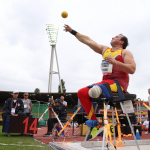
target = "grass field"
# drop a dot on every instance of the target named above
(18, 142)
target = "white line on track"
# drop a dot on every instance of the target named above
(21, 145)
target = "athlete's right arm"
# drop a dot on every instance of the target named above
(88, 41)
(92, 44)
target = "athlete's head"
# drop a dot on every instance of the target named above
(125, 40)
(119, 40)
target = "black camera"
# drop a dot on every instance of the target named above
(50, 104)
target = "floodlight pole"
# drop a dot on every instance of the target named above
(52, 31)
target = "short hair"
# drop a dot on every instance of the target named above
(25, 93)
(125, 39)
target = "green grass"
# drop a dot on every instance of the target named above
(20, 142)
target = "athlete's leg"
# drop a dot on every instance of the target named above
(85, 98)
(86, 103)
(111, 83)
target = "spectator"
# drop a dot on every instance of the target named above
(149, 106)
(62, 101)
(13, 106)
(27, 105)
(59, 108)
(146, 125)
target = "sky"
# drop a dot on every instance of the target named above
(25, 49)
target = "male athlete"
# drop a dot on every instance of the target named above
(118, 63)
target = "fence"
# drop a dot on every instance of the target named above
(38, 109)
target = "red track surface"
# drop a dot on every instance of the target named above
(71, 138)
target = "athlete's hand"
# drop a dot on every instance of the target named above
(110, 59)
(67, 28)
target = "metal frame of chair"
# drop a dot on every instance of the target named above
(115, 98)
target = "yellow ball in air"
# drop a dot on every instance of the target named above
(64, 14)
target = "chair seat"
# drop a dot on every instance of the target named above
(115, 97)
(126, 96)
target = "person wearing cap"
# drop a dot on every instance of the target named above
(13, 106)
(60, 109)
(27, 105)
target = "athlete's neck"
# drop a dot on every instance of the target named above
(116, 48)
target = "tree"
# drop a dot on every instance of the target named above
(37, 90)
(63, 87)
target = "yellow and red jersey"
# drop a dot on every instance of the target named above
(117, 74)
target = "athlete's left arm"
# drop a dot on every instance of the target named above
(128, 66)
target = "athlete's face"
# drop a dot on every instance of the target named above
(116, 40)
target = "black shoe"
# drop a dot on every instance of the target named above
(47, 135)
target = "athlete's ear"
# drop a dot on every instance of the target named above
(121, 42)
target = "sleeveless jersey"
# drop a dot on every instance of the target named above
(117, 74)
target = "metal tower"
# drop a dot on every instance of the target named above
(52, 31)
